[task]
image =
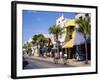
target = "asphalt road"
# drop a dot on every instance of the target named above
(38, 64)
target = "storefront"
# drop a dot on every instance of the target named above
(75, 41)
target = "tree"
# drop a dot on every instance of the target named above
(26, 45)
(57, 31)
(84, 27)
(39, 39)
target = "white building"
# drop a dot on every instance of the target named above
(61, 21)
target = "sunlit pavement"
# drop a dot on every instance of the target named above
(38, 64)
(35, 62)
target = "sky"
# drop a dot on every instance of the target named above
(37, 22)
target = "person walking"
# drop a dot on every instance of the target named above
(64, 59)
(56, 57)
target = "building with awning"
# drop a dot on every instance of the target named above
(70, 37)
(70, 43)
(74, 38)
(77, 39)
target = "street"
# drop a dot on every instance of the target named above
(30, 63)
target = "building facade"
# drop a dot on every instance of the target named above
(75, 43)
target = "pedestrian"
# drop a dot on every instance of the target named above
(43, 51)
(49, 51)
(77, 56)
(40, 50)
(64, 58)
(56, 56)
(52, 53)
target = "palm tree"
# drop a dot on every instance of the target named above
(84, 27)
(39, 39)
(57, 31)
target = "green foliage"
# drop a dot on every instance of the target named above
(56, 30)
(26, 45)
(84, 24)
(39, 39)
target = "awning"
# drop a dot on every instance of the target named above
(70, 43)
(77, 39)
(70, 23)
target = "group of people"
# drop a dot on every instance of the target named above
(27, 51)
(49, 51)
(55, 53)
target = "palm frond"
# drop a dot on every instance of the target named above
(84, 25)
(56, 30)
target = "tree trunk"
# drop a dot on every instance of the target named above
(57, 45)
(86, 52)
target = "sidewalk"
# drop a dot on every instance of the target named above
(71, 62)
